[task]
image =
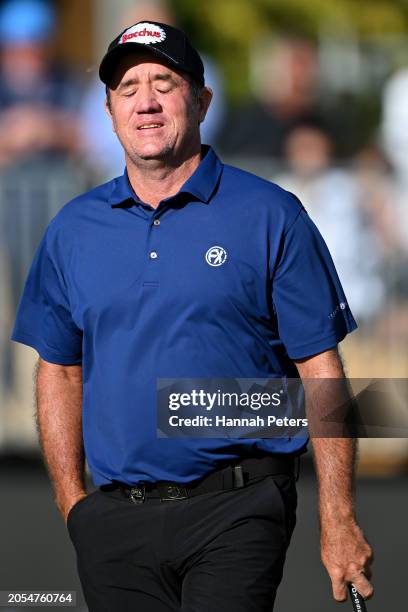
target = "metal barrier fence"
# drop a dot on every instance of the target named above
(31, 194)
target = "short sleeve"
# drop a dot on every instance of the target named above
(43, 319)
(311, 308)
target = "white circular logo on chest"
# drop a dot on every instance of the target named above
(145, 33)
(216, 256)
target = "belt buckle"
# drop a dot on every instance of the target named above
(137, 494)
(170, 491)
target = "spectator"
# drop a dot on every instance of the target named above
(38, 135)
(394, 125)
(291, 96)
(332, 198)
(379, 197)
(394, 132)
(38, 98)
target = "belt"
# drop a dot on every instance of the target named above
(234, 476)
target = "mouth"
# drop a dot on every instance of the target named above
(150, 126)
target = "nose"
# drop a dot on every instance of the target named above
(146, 101)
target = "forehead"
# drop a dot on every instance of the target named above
(140, 66)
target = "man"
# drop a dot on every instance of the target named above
(181, 268)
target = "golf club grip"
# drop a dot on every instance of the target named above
(356, 599)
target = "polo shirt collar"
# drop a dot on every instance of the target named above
(201, 183)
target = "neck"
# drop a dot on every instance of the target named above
(154, 180)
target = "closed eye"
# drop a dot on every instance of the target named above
(164, 89)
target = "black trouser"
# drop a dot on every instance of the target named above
(220, 551)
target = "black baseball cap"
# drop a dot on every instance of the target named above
(164, 41)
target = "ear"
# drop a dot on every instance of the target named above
(206, 95)
(107, 108)
(109, 113)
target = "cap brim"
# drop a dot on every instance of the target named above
(110, 61)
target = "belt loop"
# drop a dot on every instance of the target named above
(238, 475)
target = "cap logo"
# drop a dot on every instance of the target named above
(144, 33)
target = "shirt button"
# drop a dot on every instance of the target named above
(156, 222)
(153, 255)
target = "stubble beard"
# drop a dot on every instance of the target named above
(167, 153)
(161, 155)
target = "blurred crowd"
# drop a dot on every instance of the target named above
(56, 140)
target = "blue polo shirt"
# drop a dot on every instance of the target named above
(227, 278)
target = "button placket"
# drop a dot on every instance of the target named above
(153, 254)
(152, 272)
